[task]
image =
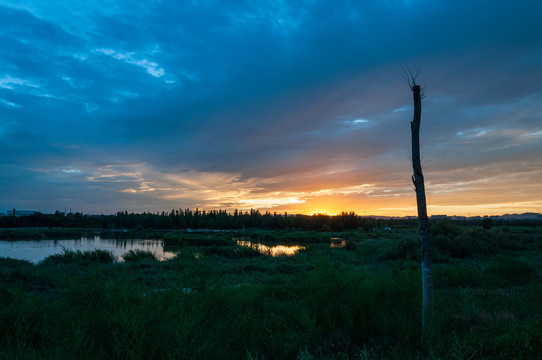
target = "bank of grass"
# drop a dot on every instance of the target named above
(38, 233)
(137, 255)
(219, 300)
(286, 236)
(197, 239)
(41, 233)
(257, 235)
(80, 257)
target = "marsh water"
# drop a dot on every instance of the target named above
(37, 250)
(272, 250)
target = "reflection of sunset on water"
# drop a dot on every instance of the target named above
(337, 243)
(277, 250)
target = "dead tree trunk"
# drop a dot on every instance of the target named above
(423, 221)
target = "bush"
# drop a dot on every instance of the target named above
(511, 271)
(369, 225)
(80, 257)
(477, 242)
(6, 263)
(362, 305)
(487, 223)
(405, 248)
(350, 245)
(137, 255)
(447, 276)
(236, 251)
(179, 239)
(446, 228)
(174, 239)
(461, 245)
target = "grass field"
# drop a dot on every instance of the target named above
(218, 300)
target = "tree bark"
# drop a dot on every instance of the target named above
(423, 221)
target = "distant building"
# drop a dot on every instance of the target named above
(17, 213)
(438, 217)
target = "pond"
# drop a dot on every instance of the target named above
(274, 250)
(337, 242)
(37, 250)
(284, 249)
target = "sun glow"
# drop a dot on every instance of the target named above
(448, 191)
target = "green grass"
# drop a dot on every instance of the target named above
(222, 301)
(197, 239)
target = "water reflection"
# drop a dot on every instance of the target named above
(276, 250)
(337, 242)
(37, 250)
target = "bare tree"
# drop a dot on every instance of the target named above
(419, 186)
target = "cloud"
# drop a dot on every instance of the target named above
(10, 104)
(131, 58)
(11, 83)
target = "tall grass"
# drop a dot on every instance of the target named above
(81, 257)
(138, 255)
(229, 302)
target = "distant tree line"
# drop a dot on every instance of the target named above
(200, 219)
(222, 219)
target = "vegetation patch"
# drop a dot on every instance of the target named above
(81, 257)
(138, 255)
(217, 299)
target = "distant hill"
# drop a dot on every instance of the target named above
(524, 216)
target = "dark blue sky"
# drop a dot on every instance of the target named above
(295, 106)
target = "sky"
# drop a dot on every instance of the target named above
(281, 106)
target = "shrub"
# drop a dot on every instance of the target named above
(487, 223)
(6, 263)
(405, 248)
(236, 251)
(511, 271)
(179, 239)
(473, 242)
(362, 305)
(175, 239)
(446, 228)
(81, 257)
(137, 255)
(369, 225)
(350, 245)
(447, 276)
